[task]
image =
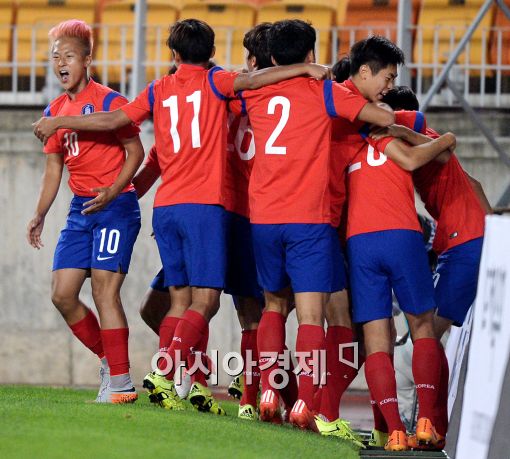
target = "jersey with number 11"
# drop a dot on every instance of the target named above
(190, 129)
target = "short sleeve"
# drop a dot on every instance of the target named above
(341, 101)
(222, 82)
(140, 109)
(412, 120)
(152, 160)
(52, 145)
(381, 144)
(125, 132)
(237, 106)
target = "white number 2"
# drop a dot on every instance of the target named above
(113, 240)
(171, 103)
(71, 143)
(285, 103)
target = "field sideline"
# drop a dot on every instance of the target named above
(58, 423)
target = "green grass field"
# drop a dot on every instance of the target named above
(58, 423)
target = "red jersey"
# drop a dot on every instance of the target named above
(381, 194)
(240, 158)
(190, 128)
(450, 199)
(93, 159)
(290, 181)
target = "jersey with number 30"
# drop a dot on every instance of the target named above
(93, 159)
(291, 122)
(190, 129)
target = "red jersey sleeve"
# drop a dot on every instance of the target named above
(413, 120)
(381, 144)
(152, 160)
(237, 106)
(222, 82)
(141, 108)
(53, 145)
(126, 132)
(341, 101)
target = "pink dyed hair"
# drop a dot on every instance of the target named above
(74, 28)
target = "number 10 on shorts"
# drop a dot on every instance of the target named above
(109, 241)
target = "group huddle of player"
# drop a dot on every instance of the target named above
(282, 187)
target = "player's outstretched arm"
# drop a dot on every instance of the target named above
(106, 195)
(49, 189)
(411, 158)
(402, 132)
(44, 128)
(272, 75)
(374, 114)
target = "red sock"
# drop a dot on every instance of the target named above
(427, 374)
(340, 375)
(166, 334)
(198, 359)
(380, 377)
(441, 410)
(289, 393)
(188, 334)
(309, 338)
(88, 332)
(115, 342)
(270, 339)
(251, 374)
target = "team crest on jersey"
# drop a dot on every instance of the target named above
(87, 109)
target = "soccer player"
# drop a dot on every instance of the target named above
(295, 245)
(458, 204)
(189, 220)
(384, 243)
(104, 218)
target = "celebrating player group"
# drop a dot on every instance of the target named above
(286, 185)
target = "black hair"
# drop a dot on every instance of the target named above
(256, 41)
(192, 39)
(401, 98)
(377, 52)
(341, 70)
(290, 41)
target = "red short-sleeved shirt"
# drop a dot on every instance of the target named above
(381, 194)
(190, 128)
(450, 199)
(240, 159)
(94, 159)
(291, 121)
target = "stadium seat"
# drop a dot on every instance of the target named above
(6, 20)
(370, 17)
(114, 50)
(500, 33)
(34, 20)
(230, 20)
(449, 20)
(321, 13)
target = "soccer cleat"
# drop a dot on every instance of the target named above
(302, 417)
(397, 441)
(269, 407)
(201, 398)
(124, 396)
(247, 412)
(235, 388)
(184, 387)
(378, 439)
(338, 428)
(102, 394)
(162, 392)
(414, 444)
(426, 434)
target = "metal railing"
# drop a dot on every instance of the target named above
(482, 72)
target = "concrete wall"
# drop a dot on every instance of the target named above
(35, 345)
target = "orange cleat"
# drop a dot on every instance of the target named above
(269, 407)
(397, 441)
(123, 397)
(302, 417)
(414, 444)
(426, 434)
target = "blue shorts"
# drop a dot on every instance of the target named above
(241, 268)
(158, 283)
(306, 256)
(386, 260)
(456, 279)
(103, 240)
(192, 243)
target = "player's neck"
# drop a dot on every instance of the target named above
(359, 83)
(205, 65)
(73, 92)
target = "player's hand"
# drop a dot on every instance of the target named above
(453, 140)
(395, 130)
(104, 197)
(319, 72)
(44, 128)
(34, 230)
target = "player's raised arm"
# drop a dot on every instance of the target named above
(49, 189)
(100, 121)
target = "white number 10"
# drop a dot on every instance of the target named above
(171, 102)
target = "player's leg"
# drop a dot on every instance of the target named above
(155, 303)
